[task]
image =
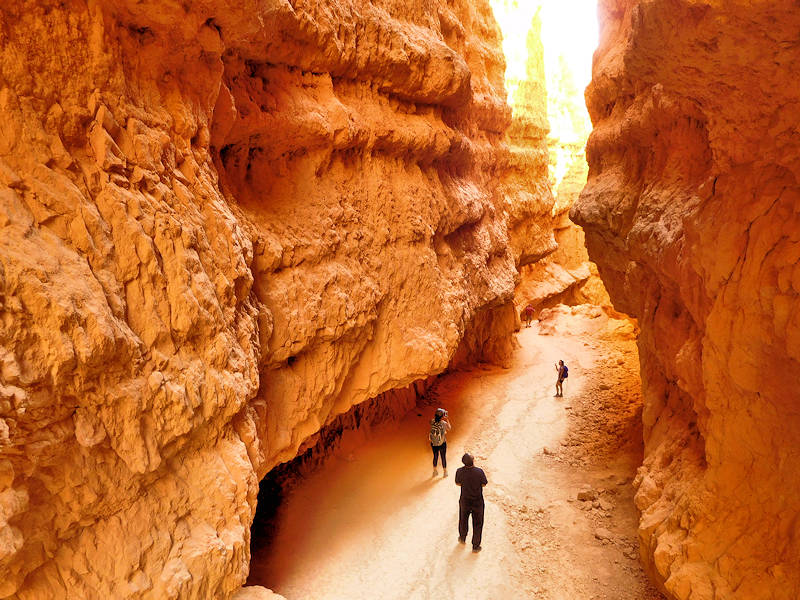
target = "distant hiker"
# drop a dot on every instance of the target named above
(471, 479)
(440, 425)
(563, 373)
(527, 314)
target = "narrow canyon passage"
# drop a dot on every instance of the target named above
(372, 523)
(230, 230)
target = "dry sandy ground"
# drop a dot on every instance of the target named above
(373, 524)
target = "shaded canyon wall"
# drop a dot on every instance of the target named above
(692, 212)
(223, 225)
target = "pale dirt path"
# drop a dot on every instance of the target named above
(374, 525)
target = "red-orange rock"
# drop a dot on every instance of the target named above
(223, 224)
(692, 213)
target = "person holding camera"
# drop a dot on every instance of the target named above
(440, 425)
(471, 480)
(563, 373)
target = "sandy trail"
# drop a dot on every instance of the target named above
(373, 524)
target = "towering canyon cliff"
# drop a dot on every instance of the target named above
(525, 185)
(223, 224)
(548, 169)
(692, 212)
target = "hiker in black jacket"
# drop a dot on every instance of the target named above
(471, 479)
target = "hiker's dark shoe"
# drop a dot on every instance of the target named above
(476, 549)
(462, 540)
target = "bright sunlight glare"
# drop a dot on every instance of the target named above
(569, 37)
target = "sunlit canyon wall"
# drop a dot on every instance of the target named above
(223, 224)
(549, 129)
(526, 187)
(692, 212)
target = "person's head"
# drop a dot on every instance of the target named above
(438, 415)
(467, 460)
(561, 363)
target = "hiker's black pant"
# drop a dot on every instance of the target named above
(437, 450)
(465, 509)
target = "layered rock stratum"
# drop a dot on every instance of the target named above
(692, 212)
(223, 224)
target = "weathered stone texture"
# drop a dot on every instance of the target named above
(692, 213)
(223, 224)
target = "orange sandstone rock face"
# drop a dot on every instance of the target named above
(223, 224)
(692, 212)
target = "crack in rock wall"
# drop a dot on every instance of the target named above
(222, 226)
(692, 213)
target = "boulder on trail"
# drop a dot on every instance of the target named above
(587, 494)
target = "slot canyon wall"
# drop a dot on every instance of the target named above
(222, 225)
(692, 213)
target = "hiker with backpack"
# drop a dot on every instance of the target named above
(440, 425)
(563, 373)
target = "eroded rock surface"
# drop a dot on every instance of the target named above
(223, 224)
(692, 212)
